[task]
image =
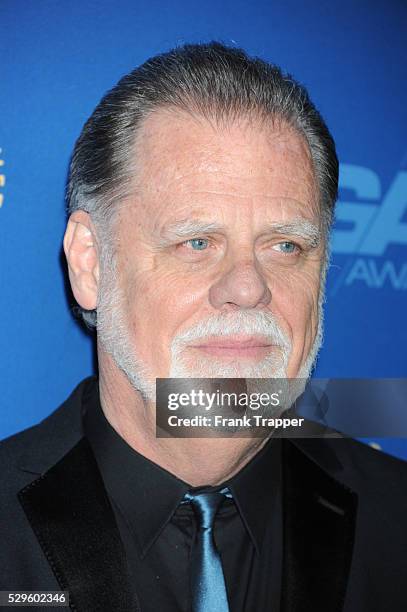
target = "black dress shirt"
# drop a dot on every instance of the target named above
(157, 532)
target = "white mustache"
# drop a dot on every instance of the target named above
(252, 323)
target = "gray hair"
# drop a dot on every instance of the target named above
(212, 80)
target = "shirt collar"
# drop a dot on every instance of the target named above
(148, 495)
(256, 490)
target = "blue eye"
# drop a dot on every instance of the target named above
(198, 244)
(287, 247)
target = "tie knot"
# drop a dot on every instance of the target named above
(206, 506)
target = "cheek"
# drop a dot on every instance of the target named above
(295, 300)
(160, 303)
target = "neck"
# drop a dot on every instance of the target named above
(197, 461)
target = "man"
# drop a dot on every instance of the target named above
(201, 195)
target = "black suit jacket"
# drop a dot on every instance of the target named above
(344, 527)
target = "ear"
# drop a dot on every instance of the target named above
(80, 246)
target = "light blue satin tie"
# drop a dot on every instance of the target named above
(207, 579)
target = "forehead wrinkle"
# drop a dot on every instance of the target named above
(297, 188)
(191, 171)
(187, 174)
(209, 148)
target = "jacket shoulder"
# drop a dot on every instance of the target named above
(35, 448)
(363, 468)
(368, 458)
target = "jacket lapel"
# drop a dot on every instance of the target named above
(72, 518)
(319, 515)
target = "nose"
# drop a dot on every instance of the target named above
(242, 286)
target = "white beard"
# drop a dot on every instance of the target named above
(114, 337)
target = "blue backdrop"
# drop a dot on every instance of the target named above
(58, 58)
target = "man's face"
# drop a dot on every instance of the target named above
(219, 253)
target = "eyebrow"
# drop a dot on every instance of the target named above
(184, 228)
(300, 228)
